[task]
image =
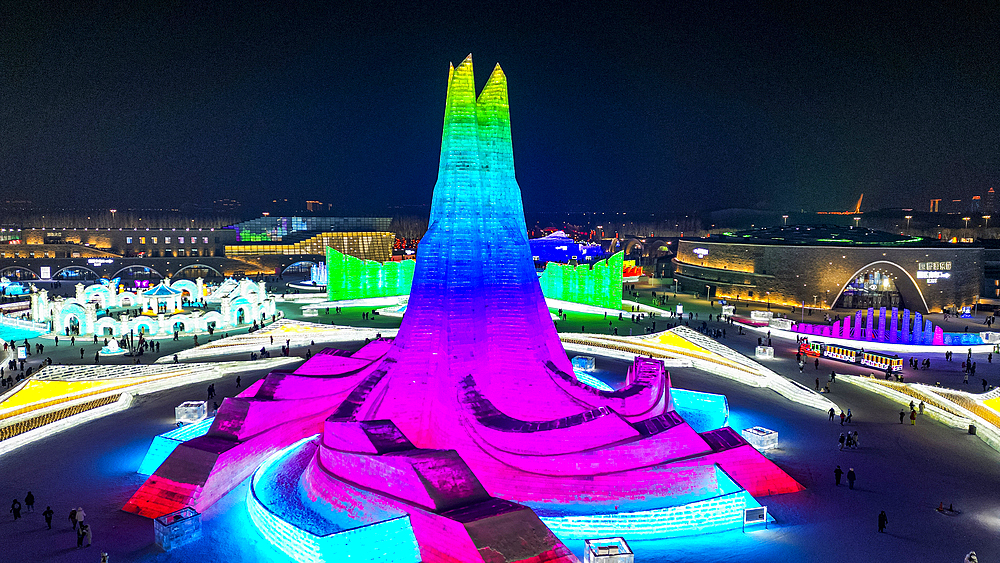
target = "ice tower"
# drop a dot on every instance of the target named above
(472, 416)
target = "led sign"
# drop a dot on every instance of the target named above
(701, 252)
(100, 261)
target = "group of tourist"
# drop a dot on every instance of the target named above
(76, 516)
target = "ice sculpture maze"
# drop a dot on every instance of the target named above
(471, 422)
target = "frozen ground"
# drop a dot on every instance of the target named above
(901, 469)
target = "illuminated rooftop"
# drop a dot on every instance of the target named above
(825, 235)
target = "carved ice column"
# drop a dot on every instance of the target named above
(200, 282)
(224, 309)
(90, 323)
(79, 292)
(40, 306)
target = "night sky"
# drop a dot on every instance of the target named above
(651, 106)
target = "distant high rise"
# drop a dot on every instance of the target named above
(989, 204)
(976, 205)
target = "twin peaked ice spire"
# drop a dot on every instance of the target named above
(475, 295)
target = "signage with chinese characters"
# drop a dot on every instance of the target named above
(933, 271)
(100, 261)
(701, 252)
(46, 272)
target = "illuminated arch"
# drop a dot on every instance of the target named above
(134, 266)
(103, 293)
(107, 322)
(293, 264)
(206, 266)
(4, 271)
(151, 326)
(212, 317)
(77, 267)
(186, 285)
(631, 244)
(69, 312)
(910, 291)
(248, 311)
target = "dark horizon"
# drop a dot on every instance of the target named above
(634, 107)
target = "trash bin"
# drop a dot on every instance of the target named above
(972, 429)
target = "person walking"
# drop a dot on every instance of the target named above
(15, 509)
(848, 420)
(883, 520)
(238, 379)
(29, 501)
(902, 415)
(851, 478)
(48, 516)
(913, 418)
(842, 418)
(81, 533)
(842, 441)
(837, 474)
(80, 515)
(72, 518)
(854, 439)
(817, 384)
(832, 412)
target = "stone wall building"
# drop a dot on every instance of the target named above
(832, 267)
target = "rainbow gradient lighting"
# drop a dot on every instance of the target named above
(599, 284)
(471, 422)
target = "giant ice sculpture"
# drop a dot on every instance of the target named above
(473, 413)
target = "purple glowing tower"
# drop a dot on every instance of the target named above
(472, 414)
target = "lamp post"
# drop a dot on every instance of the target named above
(785, 217)
(908, 217)
(966, 219)
(987, 217)
(856, 219)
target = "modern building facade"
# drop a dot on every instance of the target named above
(266, 245)
(375, 246)
(832, 267)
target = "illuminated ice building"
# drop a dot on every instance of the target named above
(467, 438)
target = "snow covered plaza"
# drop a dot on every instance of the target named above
(471, 436)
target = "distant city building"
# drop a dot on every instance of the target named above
(935, 203)
(275, 229)
(366, 245)
(317, 205)
(989, 205)
(832, 267)
(976, 205)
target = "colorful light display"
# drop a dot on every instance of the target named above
(598, 284)
(348, 277)
(475, 394)
(899, 331)
(165, 443)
